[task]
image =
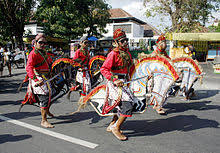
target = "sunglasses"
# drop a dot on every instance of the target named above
(42, 42)
(123, 40)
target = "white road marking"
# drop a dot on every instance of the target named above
(51, 133)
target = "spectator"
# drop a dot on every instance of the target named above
(190, 50)
(7, 62)
(1, 61)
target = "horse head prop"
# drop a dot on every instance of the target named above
(190, 71)
(70, 68)
(150, 81)
(163, 76)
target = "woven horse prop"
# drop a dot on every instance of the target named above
(71, 67)
(63, 73)
(150, 90)
(190, 71)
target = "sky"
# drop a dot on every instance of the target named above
(137, 9)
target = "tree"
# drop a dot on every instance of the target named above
(69, 19)
(185, 15)
(14, 15)
(214, 28)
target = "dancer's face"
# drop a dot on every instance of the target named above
(162, 45)
(85, 44)
(40, 43)
(123, 42)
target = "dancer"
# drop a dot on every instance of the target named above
(82, 57)
(116, 69)
(161, 46)
(38, 70)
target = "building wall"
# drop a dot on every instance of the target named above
(136, 30)
(33, 28)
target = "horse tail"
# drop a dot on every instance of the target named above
(68, 94)
(81, 104)
(22, 105)
(22, 83)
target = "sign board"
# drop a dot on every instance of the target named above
(212, 53)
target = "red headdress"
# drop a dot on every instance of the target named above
(118, 34)
(161, 38)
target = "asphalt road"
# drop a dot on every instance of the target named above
(189, 127)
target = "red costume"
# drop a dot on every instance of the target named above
(158, 50)
(82, 57)
(38, 62)
(118, 66)
(38, 68)
(118, 61)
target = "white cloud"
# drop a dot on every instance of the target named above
(137, 9)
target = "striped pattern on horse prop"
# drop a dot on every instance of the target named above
(162, 73)
(99, 60)
(186, 61)
(190, 71)
(66, 61)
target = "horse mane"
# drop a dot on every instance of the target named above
(66, 61)
(169, 64)
(195, 63)
(143, 55)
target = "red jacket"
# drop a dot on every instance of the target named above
(117, 61)
(38, 62)
(82, 57)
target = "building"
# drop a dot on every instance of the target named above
(32, 28)
(136, 30)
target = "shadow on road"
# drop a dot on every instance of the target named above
(177, 123)
(182, 107)
(18, 102)
(10, 138)
(77, 117)
(21, 115)
(9, 87)
(201, 94)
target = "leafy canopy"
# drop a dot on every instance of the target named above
(185, 15)
(69, 19)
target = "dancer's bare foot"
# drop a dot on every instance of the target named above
(46, 124)
(160, 111)
(118, 134)
(109, 128)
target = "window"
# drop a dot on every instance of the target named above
(125, 27)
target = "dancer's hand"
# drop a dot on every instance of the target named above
(118, 83)
(39, 83)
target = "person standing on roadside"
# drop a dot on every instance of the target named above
(1, 61)
(7, 55)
